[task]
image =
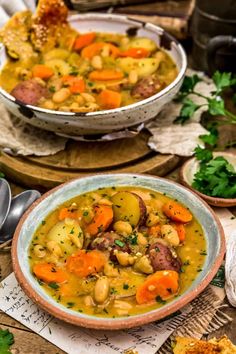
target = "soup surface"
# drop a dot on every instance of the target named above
(117, 251)
(80, 72)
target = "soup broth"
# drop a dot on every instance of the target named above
(117, 251)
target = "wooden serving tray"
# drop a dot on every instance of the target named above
(85, 158)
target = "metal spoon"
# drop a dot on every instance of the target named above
(5, 200)
(19, 204)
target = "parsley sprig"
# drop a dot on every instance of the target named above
(6, 340)
(215, 104)
(216, 177)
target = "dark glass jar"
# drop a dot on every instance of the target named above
(214, 35)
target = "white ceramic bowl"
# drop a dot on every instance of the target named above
(189, 169)
(50, 201)
(102, 122)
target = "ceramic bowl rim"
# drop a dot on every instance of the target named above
(124, 109)
(215, 201)
(127, 322)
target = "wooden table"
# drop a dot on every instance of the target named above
(27, 342)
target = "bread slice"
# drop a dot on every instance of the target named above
(213, 346)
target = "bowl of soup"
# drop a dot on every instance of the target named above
(104, 73)
(117, 250)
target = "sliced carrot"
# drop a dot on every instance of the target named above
(135, 53)
(109, 99)
(163, 284)
(83, 264)
(95, 49)
(102, 219)
(49, 273)
(42, 71)
(180, 230)
(68, 213)
(177, 212)
(84, 40)
(75, 84)
(154, 231)
(105, 75)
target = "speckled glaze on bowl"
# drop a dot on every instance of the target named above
(101, 122)
(188, 171)
(41, 208)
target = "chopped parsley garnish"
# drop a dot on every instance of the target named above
(132, 239)
(43, 222)
(53, 285)
(125, 286)
(52, 89)
(203, 253)
(119, 243)
(85, 213)
(70, 304)
(160, 300)
(113, 291)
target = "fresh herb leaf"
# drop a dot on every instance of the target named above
(6, 340)
(125, 286)
(216, 177)
(216, 106)
(221, 80)
(187, 110)
(119, 243)
(53, 285)
(202, 154)
(132, 239)
(210, 139)
(52, 89)
(189, 83)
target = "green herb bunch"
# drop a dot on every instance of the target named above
(214, 104)
(216, 177)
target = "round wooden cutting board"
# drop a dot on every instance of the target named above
(83, 158)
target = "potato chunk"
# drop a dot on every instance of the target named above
(68, 235)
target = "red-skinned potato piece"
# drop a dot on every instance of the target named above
(162, 258)
(128, 206)
(29, 92)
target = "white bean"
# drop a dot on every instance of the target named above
(143, 265)
(170, 235)
(110, 270)
(39, 251)
(96, 62)
(61, 95)
(48, 104)
(88, 301)
(141, 239)
(88, 98)
(122, 227)
(80, 100)
(133, 77)
(124, 258)
(105, 201)
(152, 219)
(101, 289)
(122, 307)
(54, 248)
(105, 51)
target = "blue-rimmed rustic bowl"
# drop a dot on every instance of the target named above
(101, 122)
(42, 207)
